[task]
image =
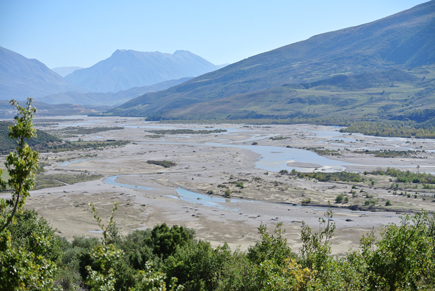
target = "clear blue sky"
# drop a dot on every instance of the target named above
(81, 33)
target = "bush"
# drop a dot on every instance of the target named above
(339, 198)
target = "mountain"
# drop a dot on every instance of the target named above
(108, 99)
(64, 71)
(126, 69)
(399, 42)
(21, 78)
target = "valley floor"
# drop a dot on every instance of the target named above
(245, 160)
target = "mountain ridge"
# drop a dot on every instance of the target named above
(403, 40)
(21, 77)
(126, 69)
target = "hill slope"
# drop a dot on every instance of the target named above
(126, 69)
(403, 40)
(21, 78)
(7, 144)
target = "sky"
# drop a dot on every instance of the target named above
(83, 32)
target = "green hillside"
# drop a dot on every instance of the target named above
(40, 142)
(367, 71)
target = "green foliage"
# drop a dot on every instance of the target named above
(404, 256)
(55, 180)
(272, 277)
(165, 164)
(339, 198)
(198, 266)
(324, 177)
(39, 142)
(407, 176)
(306, 201)
(151, 280)
(316, 245)
(164, 241)
(324, 152)
(74, 131)
(26, 244)
(393, 128)
(186, 131)
(271, 247)
(389, 153)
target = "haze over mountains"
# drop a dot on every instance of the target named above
(65, 71)
(128, 73)
(126, 69)
(108, 99)
(21, 78)
(265, 85)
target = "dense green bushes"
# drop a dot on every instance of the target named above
(401, 258)
(324, 177)
(406, 176)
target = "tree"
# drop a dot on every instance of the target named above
(23, 267)
(404, 256)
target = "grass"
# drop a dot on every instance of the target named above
(76, 131)
(57, 180)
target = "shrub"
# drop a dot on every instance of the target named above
(339, 198)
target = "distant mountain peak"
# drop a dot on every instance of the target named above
(126, 69)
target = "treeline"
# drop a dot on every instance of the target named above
(80, 145)
(390, 153)
(401, 176)
(75, 130)
(391, 129)
(402, 257)
(406, 176)
(325, 177)
(165, 164)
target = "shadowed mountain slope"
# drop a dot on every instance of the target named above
(21, 77)
(108, 99)
(401, 41)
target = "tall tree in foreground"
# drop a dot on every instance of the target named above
(24, 266)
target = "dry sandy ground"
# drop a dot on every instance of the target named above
(266, 197)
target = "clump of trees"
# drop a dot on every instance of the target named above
(165, 164)
(406, 176)
(393, 128)
(325, 177)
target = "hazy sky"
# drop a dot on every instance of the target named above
(81, 33)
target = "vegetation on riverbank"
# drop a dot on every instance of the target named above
(79, 131)
(165, 164)
(184, 131)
